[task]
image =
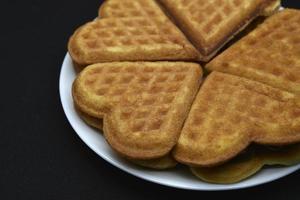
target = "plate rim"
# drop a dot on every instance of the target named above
(219, 187)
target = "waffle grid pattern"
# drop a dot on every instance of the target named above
(128, 32)
(269, 54)
(229, 113)
(235, 101)
(208, 17)
(137, 8)
(144, 94)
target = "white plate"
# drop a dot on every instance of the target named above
(179, 177)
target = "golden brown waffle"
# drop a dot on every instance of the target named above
(211, 24)
(229, 113)
(143, 104)
(270, 54)
(132, 38)
(164, 162)
(248, 164)
(130, 8)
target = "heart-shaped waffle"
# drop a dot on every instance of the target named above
(131, 38)
(270, 54)
(229, 113)
(211, 24)
(143, 104)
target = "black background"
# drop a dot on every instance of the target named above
(40, 156)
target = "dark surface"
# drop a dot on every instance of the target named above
(40, 156)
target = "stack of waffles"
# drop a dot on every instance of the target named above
(142, 84)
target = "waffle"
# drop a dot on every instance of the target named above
(164, 162)
(229, 113)
(143, 104)
(130, 8)
(270, 54)
(211, 24)
(132, 38)
(248, 164)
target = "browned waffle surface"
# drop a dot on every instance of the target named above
(270, 54)
(130, 8)
(211, 24)
(229, 113)
(130, 38)
(160, 163)
(144, 104)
